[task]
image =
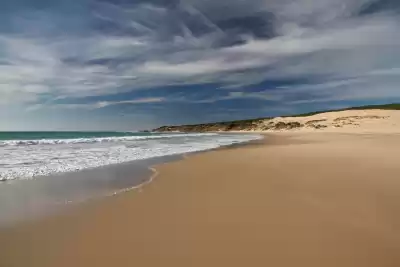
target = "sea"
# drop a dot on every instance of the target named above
(40, 170)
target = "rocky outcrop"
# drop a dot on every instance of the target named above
(276, 126)
(316, 124)
(354, 120)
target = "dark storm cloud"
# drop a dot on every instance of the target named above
(380, 6)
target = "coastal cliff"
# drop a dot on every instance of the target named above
(247, 125)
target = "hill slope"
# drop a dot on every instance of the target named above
(345, 118)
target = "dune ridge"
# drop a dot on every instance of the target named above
(368, 120)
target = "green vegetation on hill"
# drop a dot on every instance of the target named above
(386, 107)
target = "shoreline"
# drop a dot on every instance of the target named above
(146, 180)
(291, 200)
(104, 181)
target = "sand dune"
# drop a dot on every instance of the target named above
(373, 121)
(356, 121)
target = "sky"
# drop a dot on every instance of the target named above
(129, 65)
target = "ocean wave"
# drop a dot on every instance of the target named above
(95, 140)
(25, 162)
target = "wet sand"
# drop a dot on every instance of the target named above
(32, 199)
(315, 199)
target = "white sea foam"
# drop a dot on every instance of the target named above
(95, 140)
(31, 158)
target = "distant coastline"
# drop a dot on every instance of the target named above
(287, 122)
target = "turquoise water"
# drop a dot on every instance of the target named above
(64, 135)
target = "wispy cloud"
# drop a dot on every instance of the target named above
(97, 105)
(92, 48)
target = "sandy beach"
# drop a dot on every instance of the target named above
(295, 199)
(200, 133)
